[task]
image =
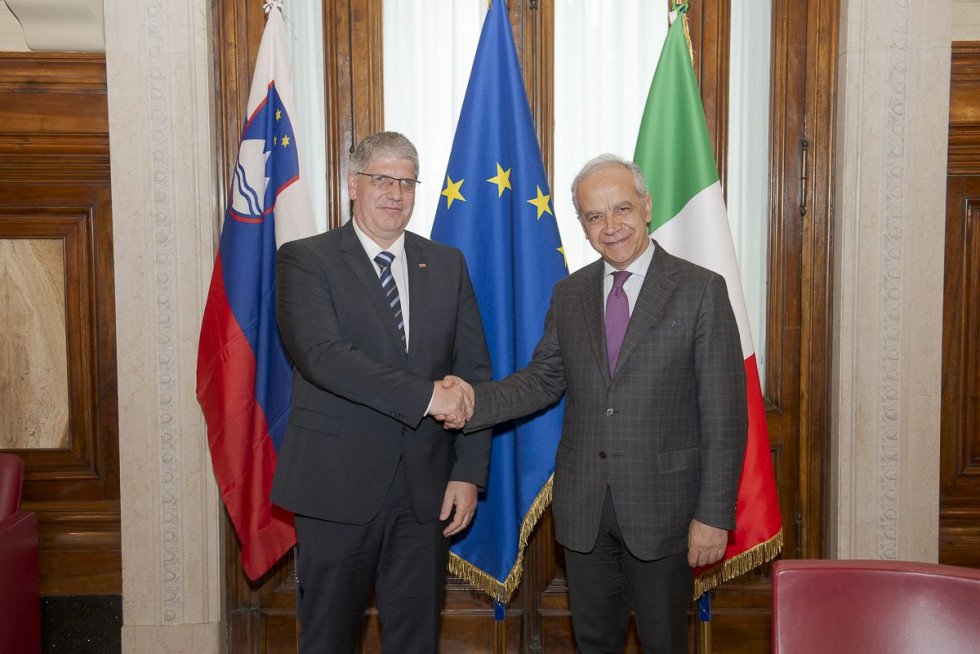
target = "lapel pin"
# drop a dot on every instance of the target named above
(423, 266)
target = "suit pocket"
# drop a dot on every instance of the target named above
(677, 461)
(670, 328)
(318, 422)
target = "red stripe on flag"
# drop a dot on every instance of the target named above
(241, 450)
(757, 515)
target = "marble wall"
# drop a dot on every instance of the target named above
(33, 344)
(164, 205)
(889, 222)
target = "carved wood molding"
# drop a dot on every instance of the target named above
(85, 528)
(802, 112)
(55, 125)
(339, 106)
(54, 185)
(959, 512)
(52, 72)
(964, 109)
(534, 38)
(710, 26)
(959, 507)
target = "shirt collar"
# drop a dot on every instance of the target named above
(639, 266)
(373, 249)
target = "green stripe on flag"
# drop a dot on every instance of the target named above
(673, 129)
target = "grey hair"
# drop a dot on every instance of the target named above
(604, 161)
(382, 144)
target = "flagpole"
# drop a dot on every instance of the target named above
(499, 628)
(703, 612)
(704, 637)
(499, 637)
(704, 623)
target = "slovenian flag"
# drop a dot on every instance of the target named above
(243, 374)
(689, 220)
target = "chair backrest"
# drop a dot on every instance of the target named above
(11, 483)
(874, 606)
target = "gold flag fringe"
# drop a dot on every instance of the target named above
(501, 592)
(738, 565)
(707, 580)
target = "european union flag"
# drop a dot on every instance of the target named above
(496, 207)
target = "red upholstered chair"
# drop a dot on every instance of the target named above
(871, 607)
(20, 599)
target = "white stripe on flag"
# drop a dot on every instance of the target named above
(700, 234)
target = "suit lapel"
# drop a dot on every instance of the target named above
(364, 270)
(656, 290)
(594, 314)
(418, 281)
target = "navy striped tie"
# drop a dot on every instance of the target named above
(388, 285)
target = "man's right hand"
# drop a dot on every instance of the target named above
(462, 400)
(451, 405)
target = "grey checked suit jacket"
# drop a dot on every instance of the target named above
(666, 431)
(359, 401)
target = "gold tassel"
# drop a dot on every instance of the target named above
(709, 579)
(739, 564)
(501, 592)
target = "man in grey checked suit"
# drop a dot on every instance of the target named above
(647, 468)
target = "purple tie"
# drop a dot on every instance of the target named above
(617, 317)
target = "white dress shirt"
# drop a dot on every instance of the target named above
(398, 267)
(634, 282)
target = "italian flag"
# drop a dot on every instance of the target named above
(689, 220)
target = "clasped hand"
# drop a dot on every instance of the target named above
(452, 402)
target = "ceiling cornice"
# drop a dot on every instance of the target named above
(61, 25)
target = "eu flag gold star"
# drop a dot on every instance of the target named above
(278, 114)
(541, 202)
(285, 141)
(502, 180)
(452, 191)
(562, 250)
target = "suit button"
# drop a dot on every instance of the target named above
(602, 455)
(609, 412)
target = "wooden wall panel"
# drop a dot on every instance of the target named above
(959, 506)
(54, 186)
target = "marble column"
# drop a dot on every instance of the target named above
(893, 99)
(164, 205)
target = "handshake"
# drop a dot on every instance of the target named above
(452, 402)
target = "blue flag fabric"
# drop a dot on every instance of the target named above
(496, 207)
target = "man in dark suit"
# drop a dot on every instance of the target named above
(646, 349)
(370, 314)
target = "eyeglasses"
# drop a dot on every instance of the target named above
(382, 182)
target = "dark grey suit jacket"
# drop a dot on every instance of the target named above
(666, 431)
(358, 399)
